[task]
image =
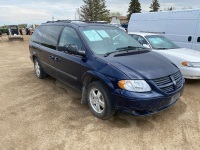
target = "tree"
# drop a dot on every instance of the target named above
(94, 10)
(154, 6)
(78, 14)
(134, 7)
(115, 14)
(169, 9)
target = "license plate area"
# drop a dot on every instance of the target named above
(175, 97)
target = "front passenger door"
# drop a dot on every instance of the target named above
(69, 65)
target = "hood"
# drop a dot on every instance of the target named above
(183, 53)
(148, 65)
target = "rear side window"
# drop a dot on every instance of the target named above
(37, 35)
(50, 36)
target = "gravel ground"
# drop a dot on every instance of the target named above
(46, 114)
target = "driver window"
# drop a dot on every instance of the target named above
(70, 36)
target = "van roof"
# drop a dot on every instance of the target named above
(143, 33)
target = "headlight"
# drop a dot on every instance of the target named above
(191, 64)
(134, 85)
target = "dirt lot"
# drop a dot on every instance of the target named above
(45, 114)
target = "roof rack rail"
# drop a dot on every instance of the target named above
(99, 22)
(69, 21)
(66, 21)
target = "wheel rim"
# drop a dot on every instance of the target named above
(37, 68)
(97, 100)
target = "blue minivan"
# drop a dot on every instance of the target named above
(113, 71)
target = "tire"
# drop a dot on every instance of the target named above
(39, 71)
(99, 100)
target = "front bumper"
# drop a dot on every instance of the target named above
(145, 103)
(190, 72)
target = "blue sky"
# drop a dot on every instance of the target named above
(38, 11)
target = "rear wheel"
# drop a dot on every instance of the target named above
(99, 101)
(40, 73)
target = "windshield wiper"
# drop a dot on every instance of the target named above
(162, 48)
(121, 49)
(129, 48)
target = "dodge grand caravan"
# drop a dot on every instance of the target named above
(113, 71)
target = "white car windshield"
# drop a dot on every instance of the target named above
(160, 42)
(108, 39)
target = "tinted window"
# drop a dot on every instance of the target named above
(37, 35)
(189, 39)
(70, 36)
(198, 39)
(13, 27)
(50, 36)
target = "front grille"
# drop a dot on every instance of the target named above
(170, 83)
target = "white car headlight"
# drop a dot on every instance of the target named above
(134, 85)
(191, 64)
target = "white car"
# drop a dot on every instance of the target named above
(187, 60)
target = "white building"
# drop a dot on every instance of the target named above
(119, 20)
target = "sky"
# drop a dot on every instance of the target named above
(39, 11)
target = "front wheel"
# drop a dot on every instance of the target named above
(99, 101)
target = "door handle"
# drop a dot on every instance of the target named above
(51, 57)
(57, 59)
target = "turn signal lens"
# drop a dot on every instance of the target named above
(121, 84)
(191, 64)
(184, 63)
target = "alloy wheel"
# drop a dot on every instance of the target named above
(97, 100)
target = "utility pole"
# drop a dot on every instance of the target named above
(53, 18)
(77, 14)
(79, 18)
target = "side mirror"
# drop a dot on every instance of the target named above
(73, 49)
(146, 45)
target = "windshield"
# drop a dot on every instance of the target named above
(13, 27)
(160, 42)
(107, 39)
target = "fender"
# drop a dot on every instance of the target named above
(86, 79)
(99, 76)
